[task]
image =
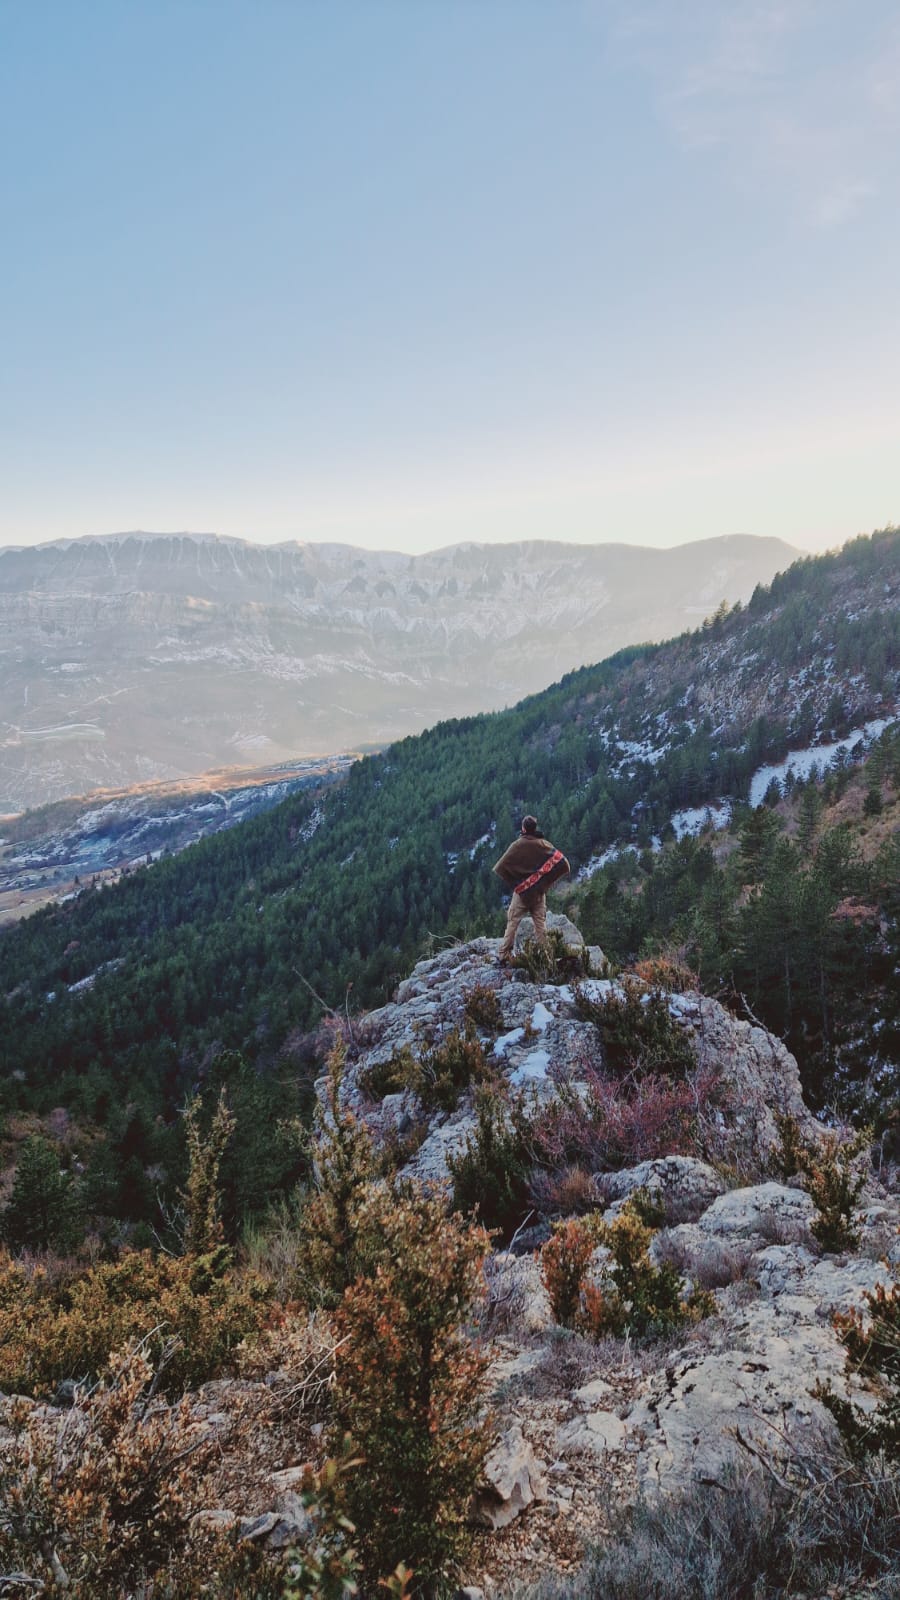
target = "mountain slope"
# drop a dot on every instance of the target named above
(343, 889)
(140, 657)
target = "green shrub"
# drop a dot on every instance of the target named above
(42, 1212)
(409, 1382)
(553, 962)
(201, 1197)
(482, 1007)
(872, 1338)
(191, 1310)
(398, 1073)
(832, 1179)
(634, 1296)
(491, 1175)
(327, 1566)
(438, 1076)
(344, 1164)
(451, 1066)
(639, 1035)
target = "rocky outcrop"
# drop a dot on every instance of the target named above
(544, 1042)
(514, 1479)
(767, 1211)
(576, 1420)
(759, 1075)
(757, 1387)
(684, 1186)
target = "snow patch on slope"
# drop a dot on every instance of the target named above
(800, 763)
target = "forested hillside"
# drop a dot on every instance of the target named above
(113, 1006)
(792, 913)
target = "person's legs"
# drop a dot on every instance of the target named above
(539, 914)
(517, 910)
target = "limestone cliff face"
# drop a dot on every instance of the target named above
(158, 656)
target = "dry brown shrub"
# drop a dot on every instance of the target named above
(669, 972)
(571, 1192)
(296, 1355)
(99, 1498)
(712, 1266)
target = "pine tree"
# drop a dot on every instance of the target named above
(42, 1210)
(344, 1165)
(201, 1195)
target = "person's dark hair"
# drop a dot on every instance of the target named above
(529, 825)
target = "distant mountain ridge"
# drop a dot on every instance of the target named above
(133, 657)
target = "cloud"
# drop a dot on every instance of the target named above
(801, 98)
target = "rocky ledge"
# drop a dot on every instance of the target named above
(576, 1418)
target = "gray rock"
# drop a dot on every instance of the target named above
(601, 1432)
(556, 921)
(516, 1286)
(760, 1383)
(514, 1479)
(879, 1228)
(767, 1211)
(685, 1186)
(431, 1162)
(273, 1530)
(515, 1366)
(701, 1257)
(590, 1395)
(759, 1075)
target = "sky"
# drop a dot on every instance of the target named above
(406, 272)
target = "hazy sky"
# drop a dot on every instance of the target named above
(403, 272)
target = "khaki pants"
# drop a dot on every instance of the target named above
(537, 909)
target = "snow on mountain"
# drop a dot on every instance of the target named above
(800, 763)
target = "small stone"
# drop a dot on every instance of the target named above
(599, 1431)
(514, 1479)
(588, 1396)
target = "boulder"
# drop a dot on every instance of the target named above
(592, 1394)
(556, 922)
(514, 1479)
(517, 1289)
(431, 1162)
(770, 1212)
(685, 1186)
(759, 1076)
(789, 1269)
(601, 1432)
(271, 1530)
(702, 1257)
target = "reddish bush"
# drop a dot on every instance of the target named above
(564, 1261)
(619, 1122)
(634, 1295)
(572, 1192)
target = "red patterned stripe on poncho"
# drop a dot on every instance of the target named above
(549, 864)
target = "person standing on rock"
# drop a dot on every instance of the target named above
(529, 867)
